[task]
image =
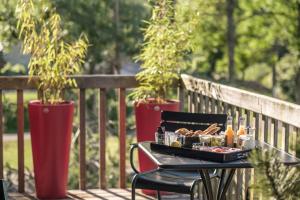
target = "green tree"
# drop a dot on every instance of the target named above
(112, 26)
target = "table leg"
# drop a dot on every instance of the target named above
(221, 183)
(207, 183)
(224, 189)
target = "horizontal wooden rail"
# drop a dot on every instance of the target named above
(271, 107)
(83, 81)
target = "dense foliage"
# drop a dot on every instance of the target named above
(161, 54)
(250, 43)
(273, 178)
(52, 59)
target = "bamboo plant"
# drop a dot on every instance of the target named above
(52, 59)
(164, 46)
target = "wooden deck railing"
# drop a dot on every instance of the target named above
(102, 83)
(276, 122)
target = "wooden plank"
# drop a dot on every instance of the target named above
(20, 127)
(95, 194)
(122, 137)
(195, 99)
(225, 108)
(82, 141)
(102, 143)
(257, 125)
(213, 106)
(181, 96)
(233, 115)
(206, 107)
(298, 142)
(239, 172)
(271, 107)
(202, 103)
(193, 108)
(266, 128)
(219, 107)
(1, 136)
(248, 117)
(286, 137)
(190, 101)
(83, 81)
(275, 133)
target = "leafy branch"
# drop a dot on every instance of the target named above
(273, 178)
(52, 59)
(161, 55)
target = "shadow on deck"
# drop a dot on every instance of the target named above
(109, 194)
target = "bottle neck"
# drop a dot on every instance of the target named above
(242, 126)
(229, 127)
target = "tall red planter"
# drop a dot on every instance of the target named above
(148, 117)
(50, 129)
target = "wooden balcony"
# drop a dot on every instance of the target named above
(108, 194)
(277, 122)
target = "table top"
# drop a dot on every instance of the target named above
(182, 163)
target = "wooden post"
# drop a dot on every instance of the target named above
(82, 141)
(181, 95)
(275, 136)
(286, 137)
(1, 136)
(20, 119)
(102, 130)
(122, 137)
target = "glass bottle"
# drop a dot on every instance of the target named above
(159, 136)
(242, 126)
(241, 132)
(229, 133)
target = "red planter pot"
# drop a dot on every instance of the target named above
(147, 117)
(50, 129)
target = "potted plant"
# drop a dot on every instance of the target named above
(52, 62)
(161, 56)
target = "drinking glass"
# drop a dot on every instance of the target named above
(159, 138)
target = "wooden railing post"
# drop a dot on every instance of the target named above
(181, 96)
(122, 137)
(82, 141)
(1, 136)
(20, 125)
(102, 130)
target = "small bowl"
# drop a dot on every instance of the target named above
(188, 141)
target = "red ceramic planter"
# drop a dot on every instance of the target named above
(50, 129)
(148, 117)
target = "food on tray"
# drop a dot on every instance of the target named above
(211, 130)
(175, 144)
(182, 131)
(217, 140)
(221, 149)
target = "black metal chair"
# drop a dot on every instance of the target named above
(183, 182)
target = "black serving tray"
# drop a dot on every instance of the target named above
(201, 155)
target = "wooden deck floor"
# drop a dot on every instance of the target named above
(109, 194)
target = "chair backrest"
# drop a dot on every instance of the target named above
(191, 121)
